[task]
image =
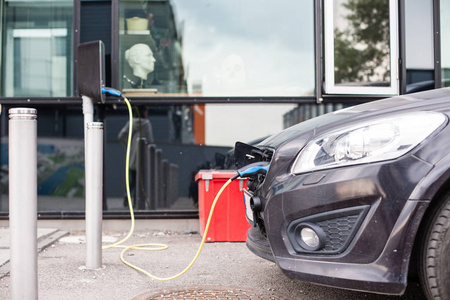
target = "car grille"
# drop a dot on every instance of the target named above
(338, 231)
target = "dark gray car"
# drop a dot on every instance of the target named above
(358, 198)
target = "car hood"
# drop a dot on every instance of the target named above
(423, 101)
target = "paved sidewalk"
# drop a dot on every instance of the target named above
(222, 268)
(45, 236)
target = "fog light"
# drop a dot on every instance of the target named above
(310, 236)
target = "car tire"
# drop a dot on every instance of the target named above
(435, 254)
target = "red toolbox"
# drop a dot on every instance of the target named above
(228, 223)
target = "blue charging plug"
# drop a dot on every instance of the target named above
(250, 170)
(111, 91)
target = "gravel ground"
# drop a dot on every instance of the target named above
(62, 275)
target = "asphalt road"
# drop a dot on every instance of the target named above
(62, 275)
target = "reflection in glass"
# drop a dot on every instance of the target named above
(150, 48)
(361, 41)
(419, 45)
(220, 48)
(37, 49)
(228, 123)
(164, 177)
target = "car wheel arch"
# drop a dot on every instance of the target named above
(439, 193)
(432, 190)
(434, 183)
(431, 244)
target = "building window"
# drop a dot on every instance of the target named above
(216, 48)
(164, 177)
(361, 47)
(37, 49)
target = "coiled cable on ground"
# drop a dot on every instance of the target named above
(152, 246)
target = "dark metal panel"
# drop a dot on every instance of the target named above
(160, 100)
(76, 41)
(39, 100)
(115, 44)
(402, 43)
(318, 40)
(2, 58)
(437, 44)
(354, 99)
(70, 215)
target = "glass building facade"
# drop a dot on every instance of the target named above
(209, 73)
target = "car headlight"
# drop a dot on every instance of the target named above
(371, 141)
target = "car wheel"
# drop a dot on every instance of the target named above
(435, 254)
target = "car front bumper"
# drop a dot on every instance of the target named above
(372, 253)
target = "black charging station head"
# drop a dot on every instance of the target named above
(91, 70)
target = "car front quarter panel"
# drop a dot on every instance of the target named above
(386, 275)
(384, 187)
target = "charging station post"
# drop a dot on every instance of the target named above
(90, 84)
(23, 202)
(94, 194)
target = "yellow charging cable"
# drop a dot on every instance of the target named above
(153, 246)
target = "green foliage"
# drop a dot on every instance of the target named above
(57, 159)
(362, 49)
(72, 182)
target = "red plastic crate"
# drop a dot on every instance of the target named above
(228, 223)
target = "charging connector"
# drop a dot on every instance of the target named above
(253, 169)
(111, 91)
(151, 246)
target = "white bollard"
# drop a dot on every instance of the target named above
(88, 113)
(23, 202)
(94, 194)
